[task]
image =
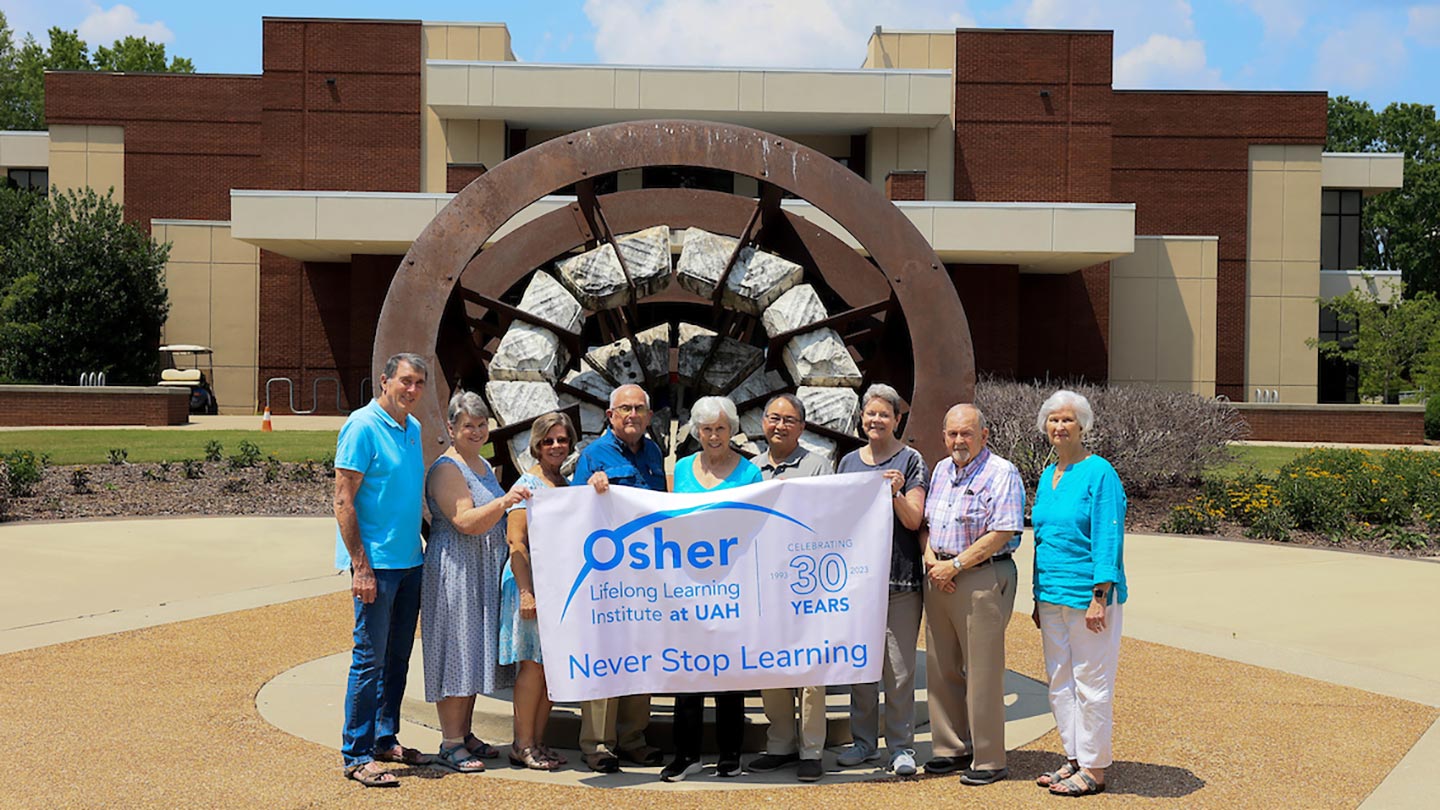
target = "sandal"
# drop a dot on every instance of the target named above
(458, 759)
(1058, 775)
(480, 748)
(403, 755)
(1073, 787)
(552, 755)
(531, 758)
(371, 777)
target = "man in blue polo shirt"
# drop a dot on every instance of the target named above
(379, 492)
(624, 456)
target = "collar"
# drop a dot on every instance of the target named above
(972, 469)
(622, 446)
(387, 418)
(790, 461)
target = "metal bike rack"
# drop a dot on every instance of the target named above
(92, 378)
(314, 394)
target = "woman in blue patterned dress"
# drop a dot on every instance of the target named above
(552, 437)
(460, 594)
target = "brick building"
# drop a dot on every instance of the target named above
(1171, 238)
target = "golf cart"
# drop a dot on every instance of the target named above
(181, 369)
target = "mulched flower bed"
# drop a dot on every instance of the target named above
(143, 490)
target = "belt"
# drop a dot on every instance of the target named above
(945, 555)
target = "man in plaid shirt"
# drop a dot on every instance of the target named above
(974, 514)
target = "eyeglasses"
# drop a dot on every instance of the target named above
(787, 421)
(629, 409)
(555, 441)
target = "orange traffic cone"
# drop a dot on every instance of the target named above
(265, 426)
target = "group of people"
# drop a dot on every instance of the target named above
(955, 531)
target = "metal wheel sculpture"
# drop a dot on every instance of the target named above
(565, 307)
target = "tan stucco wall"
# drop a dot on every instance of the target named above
(929, 150)
(442, 141)
(214, 286)
(1284, 272)
(911, 50)
(93, 156)
(24, 150)
(1162, 314)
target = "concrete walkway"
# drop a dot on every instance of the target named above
(224, 422)
(1349, 619)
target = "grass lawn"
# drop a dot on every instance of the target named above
(1264, 459)
(93, 446)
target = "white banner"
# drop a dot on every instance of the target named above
(778, 584)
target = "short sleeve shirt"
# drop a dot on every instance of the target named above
(642, 470)
(906, 573)
(965, 504)
(800, 464)
(390, 499)
(745, 472)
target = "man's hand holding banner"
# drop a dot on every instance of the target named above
(770, 585)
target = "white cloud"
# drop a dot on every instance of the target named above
(1365, 51)
(1282, 19)
(782, 33)
(1166, 62)
(1155, 42)
(1424, 24)
(103, 26)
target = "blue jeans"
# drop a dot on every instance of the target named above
(384, 636)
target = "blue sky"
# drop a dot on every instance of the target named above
(1377, 50)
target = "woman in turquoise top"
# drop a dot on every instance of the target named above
(713, 420)
(1079, 588)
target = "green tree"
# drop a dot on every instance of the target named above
(22, 69)
(1391, 340)
(80, 290)
(1400, 229)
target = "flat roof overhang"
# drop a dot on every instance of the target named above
(567, 97)
(24, 150)
(333, 226)
(1371, 172)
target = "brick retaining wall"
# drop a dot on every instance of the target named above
(64, 405)
(1356, 424)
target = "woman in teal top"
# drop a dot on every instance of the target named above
(713, 420)
(1079, 588)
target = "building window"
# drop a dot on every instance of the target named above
(37, 180)
(1339, 381)
(1339, 229)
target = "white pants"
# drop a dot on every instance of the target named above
(1081, 668)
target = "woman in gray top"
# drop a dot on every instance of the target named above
(905, 470)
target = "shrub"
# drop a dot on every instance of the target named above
(1270, 523)
(304, 473)
(329, 464)
(1199, 515)
(80, 481)
(119, 455)
(1432, 417)
(1153, 437)
(248, 456)
(214, 450)
(235, 486)
(192, 468)
(25, 471)
(273, 467)
(4, 490)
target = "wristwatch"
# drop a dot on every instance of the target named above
(1099, 593)
(955, 561)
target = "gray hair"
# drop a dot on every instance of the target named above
(710, 409)
(616, 392)
(469, 403)
(795, 402)
(884, 392)
(416, 362)
(980, 420)
(1066, 399)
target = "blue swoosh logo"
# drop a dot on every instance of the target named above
(619, 533)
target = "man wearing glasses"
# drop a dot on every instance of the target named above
(611, 728)
(786, 742)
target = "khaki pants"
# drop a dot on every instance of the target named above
(612, 725)
(965, 663)
(785, 736)
(902, 631)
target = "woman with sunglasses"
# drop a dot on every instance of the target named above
(552, 437)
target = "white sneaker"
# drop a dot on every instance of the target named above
(903, 763)
(857, 754)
